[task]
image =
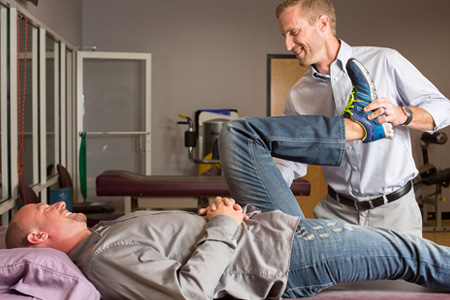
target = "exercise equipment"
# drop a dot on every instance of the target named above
(429, 175)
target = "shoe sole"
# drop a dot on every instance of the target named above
(368, 78)
(388, 130)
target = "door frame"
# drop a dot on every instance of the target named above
(80, 57)
(283, 71)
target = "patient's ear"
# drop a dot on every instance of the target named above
(36, 237)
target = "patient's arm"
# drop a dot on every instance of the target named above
(134, 270)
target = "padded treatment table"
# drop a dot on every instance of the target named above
(380, 290)
(168, 191)
(374, 290)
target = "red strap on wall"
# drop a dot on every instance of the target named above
(21, 98)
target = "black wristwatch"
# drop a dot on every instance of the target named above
(408, 114)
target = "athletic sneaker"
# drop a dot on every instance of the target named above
(362, 94)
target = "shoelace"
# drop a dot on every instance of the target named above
(351, 100)
(350, 104)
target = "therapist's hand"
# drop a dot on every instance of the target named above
(386, 111)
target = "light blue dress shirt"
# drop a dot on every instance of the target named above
(383, 166)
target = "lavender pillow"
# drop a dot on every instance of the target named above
(43, 274)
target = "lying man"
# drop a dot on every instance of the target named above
(231, 251)
(180, 255)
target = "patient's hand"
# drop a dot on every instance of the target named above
(226, 201)
(224, 206)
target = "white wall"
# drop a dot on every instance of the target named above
(204, 55)
(61, 16)
(212, 54)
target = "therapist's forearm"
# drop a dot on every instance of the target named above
(421, 120)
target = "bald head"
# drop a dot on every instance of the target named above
(46, 226)
(18, 229)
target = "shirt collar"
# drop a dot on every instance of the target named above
(344, 54)
(86, 243)
(318, 75)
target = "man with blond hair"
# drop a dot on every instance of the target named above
(372, 186)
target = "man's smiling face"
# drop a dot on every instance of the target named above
(303, 38)
(55, 218)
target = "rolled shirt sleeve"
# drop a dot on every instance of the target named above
(414, 89)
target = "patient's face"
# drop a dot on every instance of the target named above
(55, 218)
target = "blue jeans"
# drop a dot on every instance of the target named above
(324, 252)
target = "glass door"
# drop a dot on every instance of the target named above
(114, 111)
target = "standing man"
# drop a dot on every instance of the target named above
(381, 170)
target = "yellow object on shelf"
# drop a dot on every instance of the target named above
(206, 167)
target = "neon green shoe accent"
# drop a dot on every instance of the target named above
(362, 125)
(350, 105)
(349, 109)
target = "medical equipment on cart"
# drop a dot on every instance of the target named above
(201, 139)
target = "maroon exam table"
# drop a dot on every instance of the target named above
(169, 191)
